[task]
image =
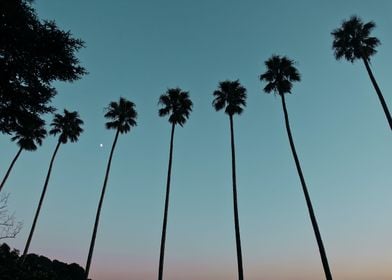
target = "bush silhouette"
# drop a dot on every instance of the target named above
(35, 267)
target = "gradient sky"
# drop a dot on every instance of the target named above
(137, 49)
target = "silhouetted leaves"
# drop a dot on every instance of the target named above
(177, 104)
(231, 96)
(30, 133)
(280, 75)
(122, 115)
(32, 55)
(353, 41)
(35, 267)
(67, 125)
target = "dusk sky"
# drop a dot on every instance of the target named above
(137, 49)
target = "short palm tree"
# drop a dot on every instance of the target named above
(68, 126)
(352, 41)
(27, 135)
(279, 77)
(122, 117)
(231, 96)
(177, 105)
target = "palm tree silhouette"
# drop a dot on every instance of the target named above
(231, 96)
(352, 41)
(68, 126)
(122, 116)
(27, 135)
(178, 106)
(279, 77)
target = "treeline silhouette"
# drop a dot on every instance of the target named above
(27, 71)
(35, 267)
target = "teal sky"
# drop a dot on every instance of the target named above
(137, 49)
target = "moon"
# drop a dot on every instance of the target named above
(101, 145)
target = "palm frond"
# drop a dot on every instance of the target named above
(279, 75)
(231, 96)
(29, 132)
(122, 115)
(352, 40)
(176, 104)
(68, 125)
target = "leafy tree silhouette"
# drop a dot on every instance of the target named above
(352, 41)
(68, 126)
(279, 77)
(122, 116)
(35, 267)
(177, 105)
(231, 96)
(33, 54)
(28, 134)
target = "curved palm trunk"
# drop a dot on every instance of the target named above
(10, 168)
(163, 238)
(378, 91)
(316, 230)
(236, 218)
(91, 249)
(26, 249)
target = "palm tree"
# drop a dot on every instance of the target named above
(68, 126)
(177, 105)
(122, 116)
(279, 77)
(28, 135)
(352, 41)
(231, 96)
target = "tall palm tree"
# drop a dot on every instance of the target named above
(279, 77)
(177, 105)
(122, 117)
(27, 135)
(68, 126)
(352, 41)
(231, 96)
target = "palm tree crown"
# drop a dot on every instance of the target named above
(279, 75)
(30, 133)
(67, 125)
(353, 41)
(230, 95)
(176, 104)
(122, 115)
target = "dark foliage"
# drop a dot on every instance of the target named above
(176, 104)
(280, 75)
(122, 115)
(231, 96)
(33, 54)
(35, 267)
(353, 41)
(30, 133)
(68, 126)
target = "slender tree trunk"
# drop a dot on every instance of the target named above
(91, 249)
(10, 168)
(316, 230)
(26, 249)
(236, 218)
(163, 239)
(378, 91)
